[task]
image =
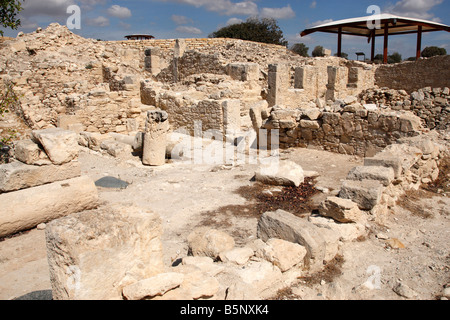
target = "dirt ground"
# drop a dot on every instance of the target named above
(188, 195)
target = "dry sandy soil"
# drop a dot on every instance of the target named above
(187, 195)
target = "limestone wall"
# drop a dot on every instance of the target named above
(352, 129)
(430, 104)
(411, 76)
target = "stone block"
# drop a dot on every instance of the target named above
(366, 193)
(29, 152)
(231, 116)
(284, 225)
(93, 255)
(282, 253)
(309, 124)
(243, 71)
(25, 209)
(116, 149)
(60, 145)
(341, 210)
(380, 173)
(388, 162)
(17, 175)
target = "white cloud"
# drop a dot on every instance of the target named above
(313, 4)
(187, 29)
(319, 22)
(242, 8)
(55, 8)
(414, 8)
(226, 7)
(98, 22)
(181, 19)
(52, 8)
(119, 12)
(234, 21)
(278, 13)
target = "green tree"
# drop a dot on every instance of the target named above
(433, 51)
(301, 49)
(8, 14)
(318, 52)
(264, 30)
(395, 58)
(343, 55)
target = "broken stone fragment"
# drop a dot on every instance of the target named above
(60, 145)
(341, 210)
(154, 286)
(29, 152)
(238, 256)
(283, 254)
(93, 140)
(116, 149)
(285, 173)
(209, 242)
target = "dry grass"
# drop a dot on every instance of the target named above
(330, 271)
(296, 200)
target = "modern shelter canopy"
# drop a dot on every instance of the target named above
(382, 25)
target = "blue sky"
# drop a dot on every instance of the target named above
(168, 19)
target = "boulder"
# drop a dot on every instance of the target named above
(25, 209)
(29, 152)
(341, 210)
(60, 145)
(209, 242)
(286, 226)
(94, 255)
(286, 173)
(17, 175)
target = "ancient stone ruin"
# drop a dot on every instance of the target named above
(162, 106)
